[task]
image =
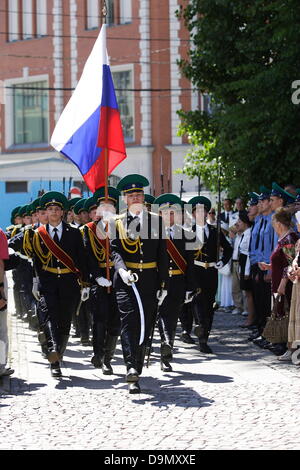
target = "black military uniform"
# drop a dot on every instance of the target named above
(143, 252)
(206, 272)
(182, 283)
(60, 271)
(102, 301)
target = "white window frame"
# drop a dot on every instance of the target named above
(127, 68)
(92, 14)
(27, 22)
(125, 11)
(41, 18)
(9, 108)
(13, 20)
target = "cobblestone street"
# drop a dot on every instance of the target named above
(239, 398)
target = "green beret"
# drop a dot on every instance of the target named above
(132, 184)
(79, 206)
(265, 193)
(113, 195)
(16, 212)
(90, 203)
(280, 192)
(36, 205)
(24, 210)
(72, 202)
(149, 199)
(54, 198)
(200, 200)
(166, 201)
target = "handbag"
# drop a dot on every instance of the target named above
(276, 329)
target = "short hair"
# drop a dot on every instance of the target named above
(282, 216)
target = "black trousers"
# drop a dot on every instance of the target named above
(186, 317)
(133, 352)
(262, 296)
(203, 303)
(169, 311)
(61, 296)
(84, 319)
(105, 317)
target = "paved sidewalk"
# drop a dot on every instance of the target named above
(239, 398)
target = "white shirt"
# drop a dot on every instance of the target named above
(237, 241)
(59, 231)
(244, 249)
(140, 216)
(200, 232)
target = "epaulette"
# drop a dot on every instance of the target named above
(10, 228)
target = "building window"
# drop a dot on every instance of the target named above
(16, 187)
(92, 13)
(13, 20)
(30, 111)
(110, 19)
(41, 17)
(123, 81)
(27, 31)
(125, 11)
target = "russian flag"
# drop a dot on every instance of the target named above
(90, 123)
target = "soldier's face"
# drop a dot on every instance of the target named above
(43, 217)
(168, 216)
(27, 220)
(93, 214)
(18, 220)
(135, 201)
(275, 202)
(265, 205)
(84, 217)
(35, 218)
(55, 214)
(70, 217)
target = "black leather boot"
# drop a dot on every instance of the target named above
(55, 369)
(52, 348)
(110, 347)
(63, 345)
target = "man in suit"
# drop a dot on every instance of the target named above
(181, 275)
(228, 211)
(60, 265)
(139, 253)
(207, 263)
(104, 310)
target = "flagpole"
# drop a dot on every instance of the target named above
(104, 15)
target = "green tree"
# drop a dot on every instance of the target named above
(246, 56)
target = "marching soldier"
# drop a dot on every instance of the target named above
(106, 321)
(181, 275)
(58, 254)
(71, 218)
(80, 213)
(138, 250)
(207, 263)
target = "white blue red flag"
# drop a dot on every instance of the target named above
(90, 123)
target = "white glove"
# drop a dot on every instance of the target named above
(188, 296)
(219, 265)
(35, 289)
(127, 277)
(161, 295)
(85, 293)
(103, 282)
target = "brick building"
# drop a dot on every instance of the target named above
(44, 46)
